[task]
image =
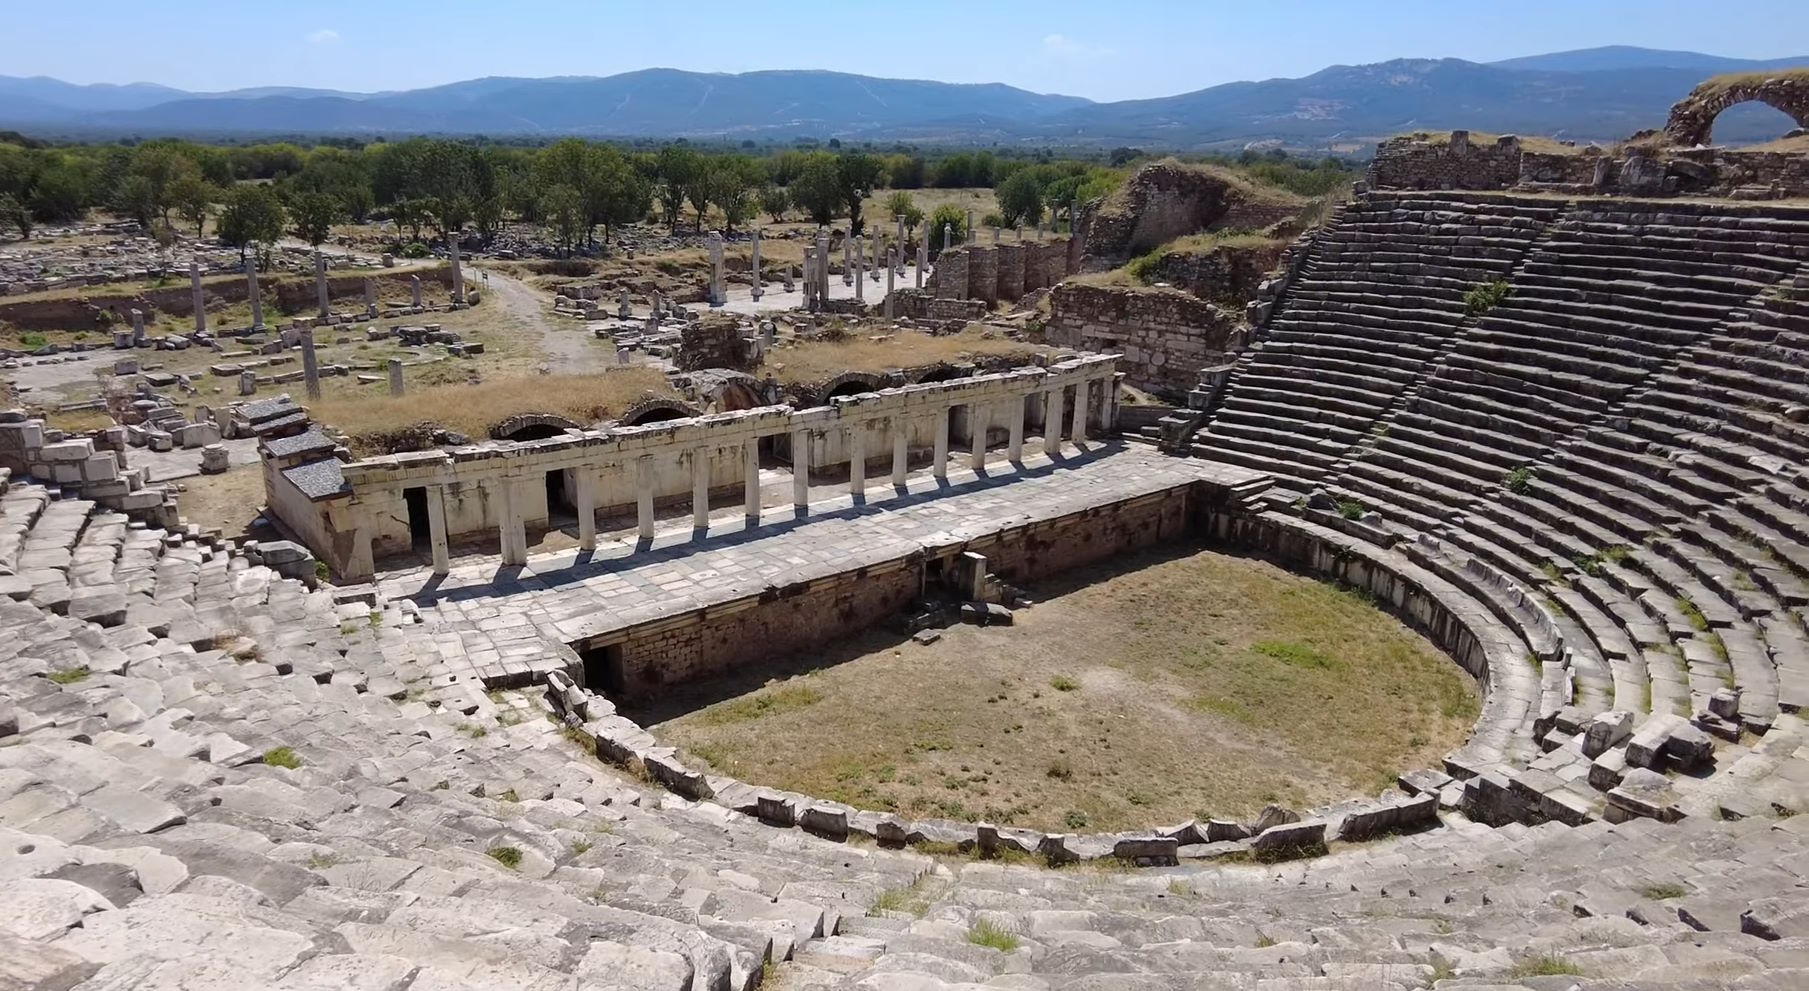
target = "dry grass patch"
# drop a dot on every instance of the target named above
(473, 409)
(1533, 143)
(814, 361)
(1162, 687)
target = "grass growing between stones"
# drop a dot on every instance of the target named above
(1544, 965)
(282, 757)
(815, 361)
(1203, 685)
(985, 933)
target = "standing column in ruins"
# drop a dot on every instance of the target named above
(809, 282)
(370, 299)
(857, 461)
(860, 295)
(138, 328)
(970, 227)
(715, 244)
(822, 267)
(785, 275)
(976, 419)
(414, 282)
(320, 284)
(995, 236)
(901, 451)
(1114, 391)
(197, 297)
(948, 237)
(901, 234)
(623, 310)
(436, 530)
(1052, 421)
(750, 480)
(511, 520)
(923, 254)
(1079, 432)
(458, 271)
(1015, 446)
(848, 260)
(310, 364)
(643, 493)
(756, 266)
(586, 498)
(251, 288)
(700, 489)
(396, 385)
(800, 471)
(940, 468)
(891, 270)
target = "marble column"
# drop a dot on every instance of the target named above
(1015, 447)
(643, 492)
(197, 297)
(586, 499)
(800, 471)
(370, 298)
(320, 284)
(822, 267)
(138, 328)
(923, 255)
(396, 385)
(511, 520)
(458, 270)
(623, 310)
(857, 461)
(436, 529)
(901, 451)
(251, 289)
(891, 271)
(848, 261)
(310, 363)
(860, 295)
(948, 238)
(901, 237)
(700, 488)
(1114, 393)
(758, 292)
(1052, 422)
(1078, 433)
(940, 467)
(970, 227)
(714, 241)
(414, 282)
(750, 481)
(977, 422)
(995, 237)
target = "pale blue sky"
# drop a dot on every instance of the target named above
(1102, 50)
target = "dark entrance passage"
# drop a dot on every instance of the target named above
(603, 669)
(419, 532)
(558, 499)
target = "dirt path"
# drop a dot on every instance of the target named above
(566, 345)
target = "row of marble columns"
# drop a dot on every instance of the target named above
(1062, 424)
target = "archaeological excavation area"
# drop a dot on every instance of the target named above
(1409, 593)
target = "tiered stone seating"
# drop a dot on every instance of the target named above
(1378, 296)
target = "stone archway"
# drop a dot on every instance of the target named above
(533, 426)
(1692, 119)
(851, 384)
(655, 411)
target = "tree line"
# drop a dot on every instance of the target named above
(429, 187)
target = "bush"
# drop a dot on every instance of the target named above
(415, 249)
(1351, 509)
(1063, 683)
(507, 856)
(1483, 298)
(33, 341)
(1519, 481)
(984, 933)
(992, 220)
(282, 757)
(1075, 819)
(947, 217)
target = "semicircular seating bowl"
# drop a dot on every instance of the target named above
(155, 689)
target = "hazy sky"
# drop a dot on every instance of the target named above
(1099, 49)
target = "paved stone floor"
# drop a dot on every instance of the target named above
(573, 595)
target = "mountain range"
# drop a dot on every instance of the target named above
(1600, 94)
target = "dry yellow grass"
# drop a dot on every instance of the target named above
(1533, 143)
(1119, 200)
(1149, 690)
(814, 361)
(474, 409)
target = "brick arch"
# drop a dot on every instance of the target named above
(1692, 119)
(533, 426)
(654, 410)
(838, 386)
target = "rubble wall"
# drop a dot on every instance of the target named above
(1164, 335)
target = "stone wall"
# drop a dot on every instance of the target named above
(1225, 275)
(1421, 161)
(1164, 336)
(923, 304)
(715, 341)
(1167, 200)
(1002, 272)
(782, 621)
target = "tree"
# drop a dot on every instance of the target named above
(411, 214)
(1122, 156)
(730, 185)
(676, 168)
(161, 166)
(193, 198)
(1020, 199)
(562, 207)
(948, 217)
(137, 199)
(314, 215)
(14, 214)
(817, 188)
(774, 202)
(253, 212)
(860, 174)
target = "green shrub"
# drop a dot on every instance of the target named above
(282, 757)
(984, 933)
(33, 341)
(69, 676)
(1075, 819)
(1063, 683)
(1351, 509)
(1545, 965)
(415, 249)
(507, 856)
(1519, 481)
(1660, 892)
(1483, 298)
(1143, 267)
